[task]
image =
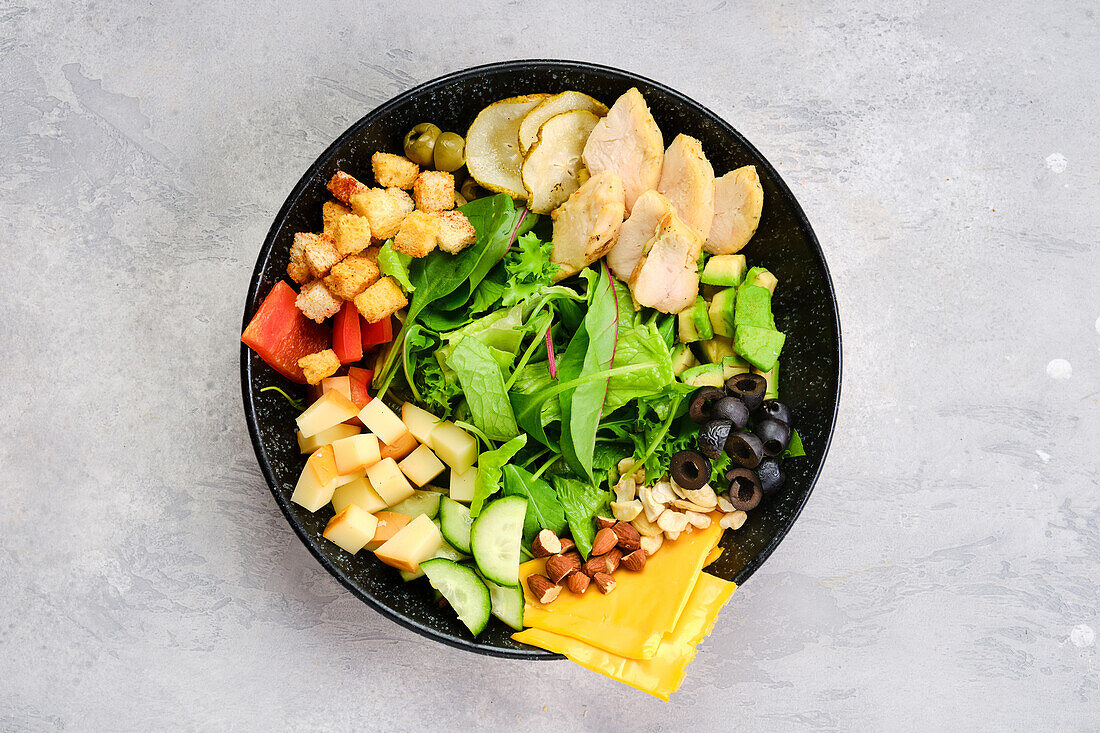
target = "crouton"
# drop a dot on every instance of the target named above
(319, 254)
(456, 233)
(344, 186)
(331, 211)
(403, 199)
(371, 253)
(393, 170)
(434, 191)
(351, 276)
(320, 365)
(297, 269)
(383, 211)
(316, 302)
(419, 234)
(351, 234)
(382, 299)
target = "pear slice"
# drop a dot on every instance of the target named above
(555, 105)
(493, 155)
(552, 169)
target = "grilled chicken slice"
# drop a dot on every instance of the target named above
(667, 276)
(738, 201)
(628, 142)
(687, 179)
(586, 224)
(637, 231)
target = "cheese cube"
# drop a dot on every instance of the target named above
(340, 384)
(420, 422)
(456, 447)
(331, 408)
(351, 528)
(405, 445)
(347, 478)
(358, 492)
(356, 453)
(418, 541)
(462, 485)
(389, 482)
(389, 524)
(318, 480)
(382, 421)
(336, 432)
(421, 466)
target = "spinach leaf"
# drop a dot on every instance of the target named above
(581, 503)
(543, 509)
(533, 410)
(637, 345)
(490, 470)
(396, 265)
(502, 223)
(483, 387)
(570, 368)
(489, 292)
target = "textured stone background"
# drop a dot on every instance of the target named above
(943, 576)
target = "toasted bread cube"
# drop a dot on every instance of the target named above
(344, 187)
(351, 276)
(320, 254)
(320, 365)
(434, 191)
(456, 233)
(351, 528)
(419, 234)
(421, 466)
(331, 211)
(297, 269)
(393, 170)
(351, 234)
(380, 300)
(402, 199)
(371, 253)
(316, 302)
(383, 211)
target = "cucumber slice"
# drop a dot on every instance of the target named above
(462, 588)
(421, 502)
(495, 539)
(507, 603)
(455, 522)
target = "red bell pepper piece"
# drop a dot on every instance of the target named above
(380, 332)
(347, 341)
(360, 385)
(281, 335)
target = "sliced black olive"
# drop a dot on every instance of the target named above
(713, 436)
(771, 476)
(690, 469)
(775, 436)
(702, 402)
(776, 410)
(732, 409)
(749, 387)
(745, 448)
(745, 490)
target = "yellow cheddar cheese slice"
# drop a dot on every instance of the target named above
(661, 675)
(714, 555)
(631, 620)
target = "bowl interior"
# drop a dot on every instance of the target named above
(805, 310)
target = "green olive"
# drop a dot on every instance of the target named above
(420, 143)
(470, 190)
(460, 200)
(450, 152)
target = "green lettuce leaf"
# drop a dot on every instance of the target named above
(483, 387)
(544, 511)
(490, 471)
(581, 503)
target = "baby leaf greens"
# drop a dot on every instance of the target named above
(581, 502)
(490, 470)
(483, 387)
(544, 511)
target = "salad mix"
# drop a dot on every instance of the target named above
(559, 374)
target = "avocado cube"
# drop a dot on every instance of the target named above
(722, 310)
(759, 346)
(754, 307)
(682, 359)
(706, 375)
(685, 326)
(760, 276)
(717, 349)
(724, 270)
(734, 365)
(702, 319)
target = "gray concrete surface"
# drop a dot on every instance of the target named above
(944, 575)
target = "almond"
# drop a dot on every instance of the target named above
(559, 567)
(613, 559)
(578, 583)
(604, 541)
(542, 588)
(604, 582)
(604, 522)
(546, 543)
(595, 564)
(566, 545)
(628, 537)
(635, 561)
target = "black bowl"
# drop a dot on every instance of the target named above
(804, 304)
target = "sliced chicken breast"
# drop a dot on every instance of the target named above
(586, 224)
(687, 179)
(738, 203)
(667, 276)
(637, 231)
(628, 142)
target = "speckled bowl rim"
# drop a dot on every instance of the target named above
(331, 152)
